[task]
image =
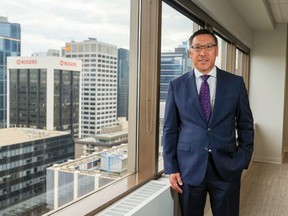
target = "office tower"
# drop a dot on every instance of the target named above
(173, 64)
(123, 83)
(24, 156)
(10, 43)
(43, 92)
(99, 83)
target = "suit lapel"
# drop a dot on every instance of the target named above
(220, 89)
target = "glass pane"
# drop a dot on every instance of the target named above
(68, 102)
(222, 53)
(174, 56)
(239, 57)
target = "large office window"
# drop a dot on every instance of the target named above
(118, 153)
(98, 33)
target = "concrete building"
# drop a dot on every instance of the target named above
(10, 45)
(44, 93)
(99, 83)
(68, 181)
(108, 138)
(25, 153)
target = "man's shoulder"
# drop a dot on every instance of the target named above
(184, 77)
(228, 75)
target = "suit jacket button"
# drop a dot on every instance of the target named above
(209, 129)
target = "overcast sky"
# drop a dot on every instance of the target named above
(48, 24)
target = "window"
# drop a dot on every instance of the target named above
(72, 35)
(174, 56)
(148, 70)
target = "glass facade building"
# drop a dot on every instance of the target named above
(28, 97)
(25, 154)
(10, 45)
(173, 64)
(44, 93)
(123, 83)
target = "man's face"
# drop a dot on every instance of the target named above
(203, 59)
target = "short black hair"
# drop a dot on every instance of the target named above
(201, 32)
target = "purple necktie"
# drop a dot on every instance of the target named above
(204, 96)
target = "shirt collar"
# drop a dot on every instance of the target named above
(211, 73)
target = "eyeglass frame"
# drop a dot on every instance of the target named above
(199, 48)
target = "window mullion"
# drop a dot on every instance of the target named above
(150, 41)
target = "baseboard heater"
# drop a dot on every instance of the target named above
(153, 198)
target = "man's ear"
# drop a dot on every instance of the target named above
(189, 53)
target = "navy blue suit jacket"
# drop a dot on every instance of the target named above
(187, 135)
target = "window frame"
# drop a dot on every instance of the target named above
(145, 52)
(144, 90)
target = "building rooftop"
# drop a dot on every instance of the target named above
(73, 165)
(44, 62)
(9, 136)
(3, 19)
(107, 136)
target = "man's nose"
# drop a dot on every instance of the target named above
(203, 51)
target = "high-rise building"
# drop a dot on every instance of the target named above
(173, 64)
(24, 156)
(123, 83)
(44, 93)
(99, 83)
(10, 45)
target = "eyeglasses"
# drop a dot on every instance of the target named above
(208, 47)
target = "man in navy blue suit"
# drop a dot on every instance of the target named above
(207, 148)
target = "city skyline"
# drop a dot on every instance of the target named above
(53, 24)
(50, 24)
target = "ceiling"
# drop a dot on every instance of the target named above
(262, 14)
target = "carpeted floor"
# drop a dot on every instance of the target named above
(264, 190)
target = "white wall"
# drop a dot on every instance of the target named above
(224, 13)
(267, 80)
(267, 87)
